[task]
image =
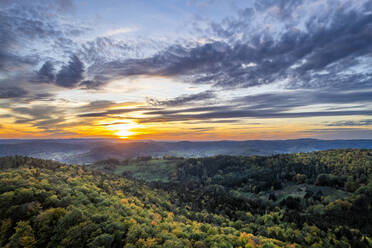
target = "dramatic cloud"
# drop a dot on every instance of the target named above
(322, 48)
(71, 74)
(46, 73)
(306, 52)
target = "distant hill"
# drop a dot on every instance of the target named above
(89, 150)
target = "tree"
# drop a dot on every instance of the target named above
(322, 180)
(103, 240)
(23, 236)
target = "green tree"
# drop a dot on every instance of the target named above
(23, 236)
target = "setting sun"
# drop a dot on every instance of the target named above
(123, 130)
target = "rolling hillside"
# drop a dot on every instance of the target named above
(320, 199)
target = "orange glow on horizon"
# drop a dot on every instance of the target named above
(123, 130)
(130, 128)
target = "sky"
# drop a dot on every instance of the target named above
(186, 70)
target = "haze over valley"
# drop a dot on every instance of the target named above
(81, 151)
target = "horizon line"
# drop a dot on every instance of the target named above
(146, 140)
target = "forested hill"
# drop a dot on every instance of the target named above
(47, 204)
(320, 199)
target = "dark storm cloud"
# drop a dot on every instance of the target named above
(46, 73)
(191, 98)
(91, 84)
(70, 74)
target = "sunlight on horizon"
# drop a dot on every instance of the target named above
(123, 130)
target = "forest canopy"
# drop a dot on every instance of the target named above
(319, 199)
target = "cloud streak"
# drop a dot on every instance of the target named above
(181, 100)
(366, 122)
(122, 30)
(236, 113)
